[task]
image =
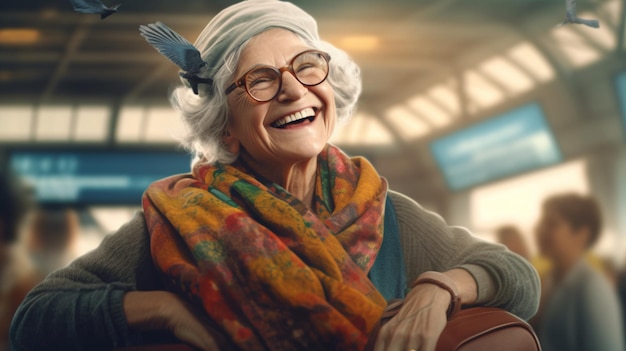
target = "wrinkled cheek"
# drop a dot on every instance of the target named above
(330, 120)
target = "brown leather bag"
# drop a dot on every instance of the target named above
(484, 329)
(472, 329)
(475, 329)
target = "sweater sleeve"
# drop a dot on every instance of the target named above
(80, 307)
(504, 279)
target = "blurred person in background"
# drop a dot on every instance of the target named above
(620, 283)
(511, 237)
(580, 310)
(14, 204)
(46, 243)
(274, 240)
(51, 238)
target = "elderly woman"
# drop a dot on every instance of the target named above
(276, 240)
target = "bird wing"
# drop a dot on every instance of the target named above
(88, 6)
(570, 8)
(172, 45)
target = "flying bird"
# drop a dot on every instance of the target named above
(570, 16)
(94, 6)
(178, 50)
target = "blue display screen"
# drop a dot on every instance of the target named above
(620, 83)
(95, 177)
(505, 145)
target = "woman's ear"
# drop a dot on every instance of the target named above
(231, 142)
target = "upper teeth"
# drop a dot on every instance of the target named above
(306, 113)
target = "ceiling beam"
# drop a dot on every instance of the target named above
(120, 18)
(146, 82)
(80, 57)
(41, 57)
(72, 46)
(621, 33)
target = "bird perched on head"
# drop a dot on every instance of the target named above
(180, 51)
(94, 6)
(570, 16)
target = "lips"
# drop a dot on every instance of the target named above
(295, 118)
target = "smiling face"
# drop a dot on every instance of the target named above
(295, 126)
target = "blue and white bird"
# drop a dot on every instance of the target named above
(94, 6)
(570, 16)
(180, 51)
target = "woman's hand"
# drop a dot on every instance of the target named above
(161, 310)
(422, 318)
(419, 322)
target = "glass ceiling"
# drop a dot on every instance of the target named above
(487, 84)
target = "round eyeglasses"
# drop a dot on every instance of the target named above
(263, 83)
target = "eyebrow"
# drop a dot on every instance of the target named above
(267, 65)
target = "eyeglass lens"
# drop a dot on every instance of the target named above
(310, 68)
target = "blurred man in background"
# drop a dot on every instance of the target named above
(14, 204)
(511, 237)
(50, 240)
(580, 310)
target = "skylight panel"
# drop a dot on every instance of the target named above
(15, 122)
(92, 123)
(574, 47)
(603, 36)
(54, 123)
(528, 57)
(162, 124)
(433, 114)
(406, 123)
(446, 97)
(611, 9)
(507, 74)
(363, 129)
(481, 90)
(130, 124)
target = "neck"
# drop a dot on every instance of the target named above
(564, 265)
(297, 178)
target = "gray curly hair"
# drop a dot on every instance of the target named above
(205, 116)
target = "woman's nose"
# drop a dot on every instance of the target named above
(291, 88)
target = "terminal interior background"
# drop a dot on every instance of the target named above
(477, 109)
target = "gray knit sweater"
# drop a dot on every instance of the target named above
(80, 307)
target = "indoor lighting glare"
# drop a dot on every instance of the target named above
(577, 51)
(359, 42)
(604, 36)
(611, 9)
(429, 111)
(19, 36)
(507, 74)
(528, 57)
(446, 97)
(362, 130)
(480, 90)
(406, 124)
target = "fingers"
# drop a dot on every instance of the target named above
(198, 337)
(419, 323)
(161, 310)
(188, 327)
(416, 333)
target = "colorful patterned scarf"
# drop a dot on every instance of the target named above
(272, 273)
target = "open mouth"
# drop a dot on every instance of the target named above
(307, 115)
